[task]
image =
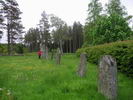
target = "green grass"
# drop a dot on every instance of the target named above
(28, 78)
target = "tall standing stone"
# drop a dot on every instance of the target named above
(108, 77)
(42, 47)
(82, 66)
(44, 50)
(52, 54)
(58, 56)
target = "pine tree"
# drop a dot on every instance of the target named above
(115, 7)
(94, 10)
(77, 36)
(1, 19)
(13, 23)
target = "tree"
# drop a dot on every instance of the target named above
(77, 36)
(110, 32)
(60, 30)
(1, 19)
(119, 21)
(70, 32)
(94, 12)
(1, 26)
(32, 39)
(13, 23)
(107, 28)
(44, 34)
(115, 7)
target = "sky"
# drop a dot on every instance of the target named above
(67, 10)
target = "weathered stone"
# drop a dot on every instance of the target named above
(53, 54)
(44, 50)
(82, 66)
(58, 56)
(42, 46)
(107, 84)
(46, 53)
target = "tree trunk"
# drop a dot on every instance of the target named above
(8, 39)
(61, 48)
(70, 46)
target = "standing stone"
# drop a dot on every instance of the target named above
(53, 52)
(58, 56)
(42, 46)
(46, 52)
(82, 66)
(108, 77)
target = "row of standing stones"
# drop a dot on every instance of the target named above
(54, 55)
(107, 75)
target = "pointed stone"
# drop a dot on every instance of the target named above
(82, 66)
(107, 82)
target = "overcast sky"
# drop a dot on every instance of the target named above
(67, 10)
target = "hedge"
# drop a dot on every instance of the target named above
(3, 49)
(122, 51)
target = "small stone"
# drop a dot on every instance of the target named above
(82, 66)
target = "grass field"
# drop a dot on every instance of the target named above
(28, 78)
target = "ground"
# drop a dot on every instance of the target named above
(29, 78)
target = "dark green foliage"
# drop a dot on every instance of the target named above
(94, 10)
(109, 27)
(122, 51)
(20, 48)
(32, 39)
(12, 23)
(115, 7)
(3, 49)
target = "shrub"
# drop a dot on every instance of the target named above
(122, 51)
(3, 49)
(19, 49)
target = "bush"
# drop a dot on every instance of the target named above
(122, 51)
(19, 49)
(3, 49)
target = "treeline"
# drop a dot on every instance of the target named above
(19, 48)
(103, 25)
(53, 32)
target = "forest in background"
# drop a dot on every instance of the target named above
(103, 25)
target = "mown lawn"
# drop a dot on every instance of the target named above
(28, 78)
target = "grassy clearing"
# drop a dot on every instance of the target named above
(28, 78)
